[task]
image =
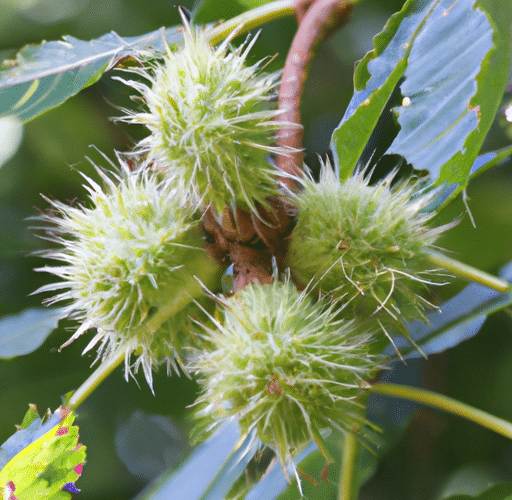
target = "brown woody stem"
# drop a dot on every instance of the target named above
(318, 20)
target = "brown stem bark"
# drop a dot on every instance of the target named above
(318, 19)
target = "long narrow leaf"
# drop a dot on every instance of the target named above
(457, 320)
(210, 471)
(231, 469)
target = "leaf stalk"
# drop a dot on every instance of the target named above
(347, 488)
(250, 20)
(468, 272)
(96, 378)
(445, 403)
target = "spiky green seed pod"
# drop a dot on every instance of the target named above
(364, 244)
(284, 365)
(130, 262)
(211, 121)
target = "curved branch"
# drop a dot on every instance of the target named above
(318, 20)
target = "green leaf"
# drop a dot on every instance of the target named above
(481, 165)
(211, 470)
(30, 417)
(25, 332)
(442, 111)
(44, 76)
(459, 319)
(441, 86)
(47, 463)
(502, 491)
(375, 78)
(25, 435)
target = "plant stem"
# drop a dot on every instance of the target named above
(347, 488)
(468, 272)
(96, 378)
(251, 19)
(447, 404)
(319, 21)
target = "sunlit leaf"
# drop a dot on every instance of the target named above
(438, 112)
(23, 333)
(375, 78)
(44, 76)
(443, 114)
(44, 458)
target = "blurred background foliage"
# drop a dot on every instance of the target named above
(439, 454)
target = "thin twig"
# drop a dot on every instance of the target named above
(96, 378)
(468, 272)
(447, 404)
